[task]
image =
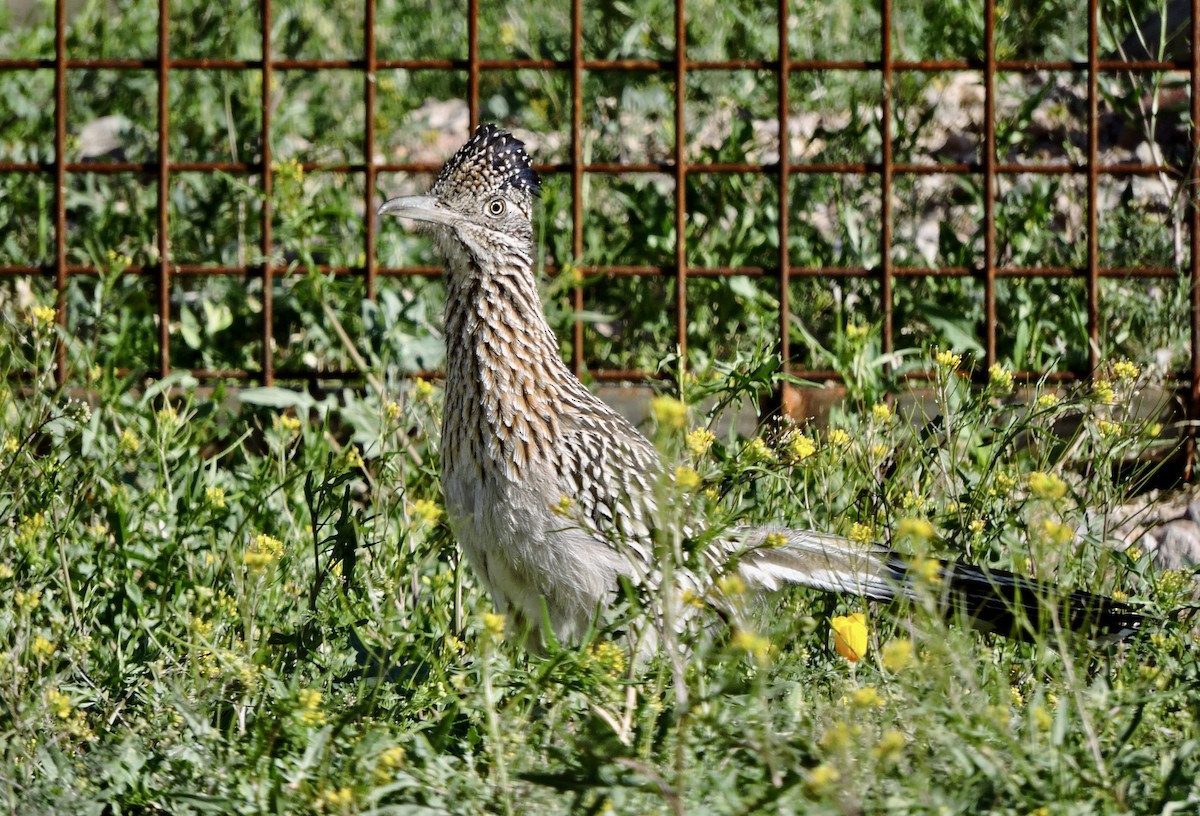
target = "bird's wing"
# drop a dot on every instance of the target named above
(609, 470)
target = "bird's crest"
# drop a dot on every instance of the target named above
(491, 162)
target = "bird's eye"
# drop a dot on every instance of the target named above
(495, 207)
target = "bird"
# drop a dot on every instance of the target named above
(551, 493)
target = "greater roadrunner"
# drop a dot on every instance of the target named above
(523, 438)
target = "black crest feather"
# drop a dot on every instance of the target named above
(494, 159)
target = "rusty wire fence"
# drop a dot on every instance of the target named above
(167, 270)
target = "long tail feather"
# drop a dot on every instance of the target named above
(999, 601)
(991, 600)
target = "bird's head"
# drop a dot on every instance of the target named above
(483, 197)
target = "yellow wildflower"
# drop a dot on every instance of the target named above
(800, 446)
(752, 644)
(256, 561)
(262, 552)
(731, 585)
(609, 658)
(821, 777)
(508, 34)
(857, 331)
(917, 529)
(564, 506)
(426, 511)
(890, 746)
(167, 415)
(1018, 699)
(354, 458)
(1042, 718)
(42, 647)
(1058, 534)
(339, 799)
(287, 423)
(1000, 377)
(757, 451)
(839, 736)
(27, 601)
(1107, 428)
(268, 544)
(1103, 391)
(775, 540)
(977, 526)
(200, 626)
(881, 412)
(669, 413)
(1046, 485)
(389, 761)
(393, 757)
(699, 441)
(129, 443)
(1002, 484)
(862, 533)
(214, 497)
(1172, 582)
(850, 636)
(1047, 400)
(1125, 370)
(897, 655)
(879, 450)
(866, 697)
(11, 444)
(6, 572)
(570, 271)
(686, 478)
(839, 438)
(392, 410)
(928, 570)
(31, 526)
(288, 172)
(947, 359)
(1162, 642)
(310, 712)
(59, 703)
(42, 315)
(494, 623)
(424, 388)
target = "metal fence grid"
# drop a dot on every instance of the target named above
(987, 270)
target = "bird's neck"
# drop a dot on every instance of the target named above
(504, 377)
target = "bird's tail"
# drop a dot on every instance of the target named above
(989, 599)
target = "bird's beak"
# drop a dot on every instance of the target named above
(419, 208)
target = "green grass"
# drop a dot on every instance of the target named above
(254, 606)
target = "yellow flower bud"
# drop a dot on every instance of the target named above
(897, 655)
(494, 623)
(850, 636)
(669, 413)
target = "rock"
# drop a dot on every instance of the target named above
(1174, 545)
(104, 138)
